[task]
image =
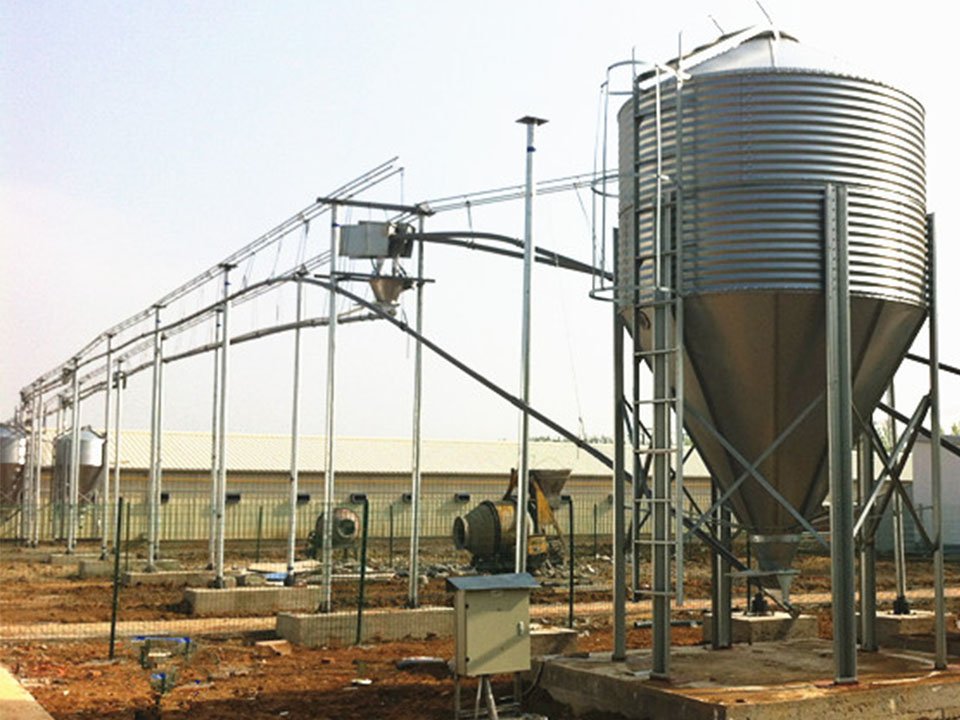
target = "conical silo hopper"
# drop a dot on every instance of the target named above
(91, 460)
(13, 456)
(766, 125)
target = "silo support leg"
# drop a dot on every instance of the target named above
(868, 578)
(840, 437)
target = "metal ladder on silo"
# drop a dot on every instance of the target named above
(664, 453)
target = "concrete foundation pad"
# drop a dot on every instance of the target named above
(171, 578)
(787, 680)
(16, 702)
(553, 641)
(104, 568)
(891, 629)
(334, 628)
(765, 628)
(251, 600)
(72, 559)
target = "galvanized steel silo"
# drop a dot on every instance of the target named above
(13, 456)
(766, 125)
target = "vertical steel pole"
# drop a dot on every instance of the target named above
(158, 485)
(215, 442)
(523, 479)
(900, 604)
(721, 585)
(58, 483)
(936, 487)
(619, 481)
(868, 554)
(26, 473)
(38, 469)
(413, 588)
(294, 443)
(220, 580)
(329, 483)
(154, 448)
(840, 437)
(121, 382)
(106, 509)
(73, 495)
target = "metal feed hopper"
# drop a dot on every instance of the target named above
(766, 125)
(91, 460)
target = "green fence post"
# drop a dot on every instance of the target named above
(569, 500)
(116, 580)
(363, 562)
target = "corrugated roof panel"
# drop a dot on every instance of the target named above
(190, 451)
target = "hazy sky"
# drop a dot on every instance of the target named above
(144, 141)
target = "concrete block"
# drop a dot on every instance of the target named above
(170, 578)
(891, 629)
(787, 680)
(251, 600)
(553, 641)
(64, 559)
(16, 702)
(385, 624)
(765, 628)
(251, 580)
(98, 568)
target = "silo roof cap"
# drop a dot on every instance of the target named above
(761, 47)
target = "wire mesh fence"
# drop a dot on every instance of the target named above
(371, 591)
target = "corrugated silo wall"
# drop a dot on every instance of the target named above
(185, 512)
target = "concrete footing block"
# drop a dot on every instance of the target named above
(169, 578)
(891, 629)
(251, 600)
(553, 641)
(16, 702)
(787, 680)
(98, 568)
(337, 628)
(765, 628)
(71, 559)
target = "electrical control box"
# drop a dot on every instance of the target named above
(375, 240)
(492, 615)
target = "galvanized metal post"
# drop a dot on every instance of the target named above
(329, 481)
(721, 586)
(868, 554)
(121, 382)
(294, 443)
(30, 410)
(900, 604)
(38, 469)
(840, 436)
(220, 580)
(73, 492)
(936, 487)
(152, 494)
(215, 441)
(106, 509)
(619, 482)
(523, 479)
(413, 587)
(158, 486)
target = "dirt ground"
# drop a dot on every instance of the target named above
(57, 595)
(234, 678)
